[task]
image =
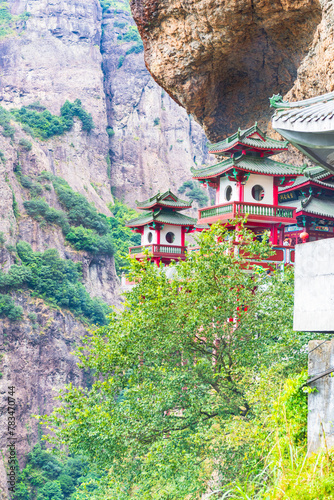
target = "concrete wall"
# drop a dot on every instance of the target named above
(320, 428)
(314, 287)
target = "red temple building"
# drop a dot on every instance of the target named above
(294, 204)
(248, 182)
(285, 200)
(162, 228)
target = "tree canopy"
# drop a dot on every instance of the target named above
(182, 361)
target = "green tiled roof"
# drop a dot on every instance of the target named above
(242, 137)
(164, 217)
(304, 178)
(317, 206)
(248, 164)
(164, 200)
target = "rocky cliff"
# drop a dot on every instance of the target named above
(222, 60)
(153, 142)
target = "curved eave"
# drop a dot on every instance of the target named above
(306, 184)
(246, 170)
(257, 147)
(305, 212)
(163, 205)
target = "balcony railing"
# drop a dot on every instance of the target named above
(158, 249)
(242, 208)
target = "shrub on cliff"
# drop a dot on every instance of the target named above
(87, 239)
(45, 125)
(80, 211)
(8, 308)
(194, 193)
(56, 280)
(49, 477)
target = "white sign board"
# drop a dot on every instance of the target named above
(314, 286)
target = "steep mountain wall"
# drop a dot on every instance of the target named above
(153, 141)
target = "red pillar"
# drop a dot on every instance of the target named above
(157, 232)
(240, 188)
(183, 233)
(275, 194)
(274, 235)
(217, 192)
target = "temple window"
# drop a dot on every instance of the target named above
(170, 237)
(258, 192)
(228, 193)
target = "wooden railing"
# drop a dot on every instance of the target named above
(158, 249)
(241, 208)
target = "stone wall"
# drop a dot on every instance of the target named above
(320, 426)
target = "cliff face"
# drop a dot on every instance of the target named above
(222, 60)
(35, 358)
(153, 141)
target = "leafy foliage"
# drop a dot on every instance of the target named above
(7, 20)
(183, 362)
(25, 144)
(194, 193)
(8, 308)
(7, 129)
(54, 279)
(122, 236)
(46, 477)
(44, 124)
(80, 211)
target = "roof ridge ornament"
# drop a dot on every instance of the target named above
(276, 101)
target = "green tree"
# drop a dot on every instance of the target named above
(177, 366)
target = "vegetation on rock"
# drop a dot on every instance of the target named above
(194, 193)
(8, 22)
(56, 280)
(46, 477)
(44, 124)
(83, 227)
(190, 360)
(8, 308)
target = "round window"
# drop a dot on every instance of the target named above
(258, 192)
(228, 193)
(150, 237)
(170, 237)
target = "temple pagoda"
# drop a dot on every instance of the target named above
(162, 228)
(248, 182)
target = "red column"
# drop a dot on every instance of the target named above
(275, 194)
(157, 232)
(274, 235)
(217, 192)
(182, 236)
(240, 188)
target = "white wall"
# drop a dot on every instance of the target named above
(144, 237)
(224, 182)
(266, 181)
(170, 228)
